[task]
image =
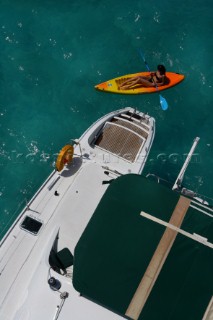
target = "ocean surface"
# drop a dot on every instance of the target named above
(52, 53)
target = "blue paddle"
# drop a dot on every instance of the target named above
(163, 102)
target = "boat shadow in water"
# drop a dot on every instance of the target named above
(73, 167)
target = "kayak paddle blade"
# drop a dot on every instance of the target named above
(163, 103)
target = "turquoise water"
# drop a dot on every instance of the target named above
(53, 53)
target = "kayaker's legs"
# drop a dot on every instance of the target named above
(136, 80)
(128, 81)
(129, 84)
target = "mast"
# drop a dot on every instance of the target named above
(179, 179)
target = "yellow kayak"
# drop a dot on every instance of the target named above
(113, 85)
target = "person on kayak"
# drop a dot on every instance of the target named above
(157, 78)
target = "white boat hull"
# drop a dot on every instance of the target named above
(24, 255)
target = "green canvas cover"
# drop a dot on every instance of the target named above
(117, 245)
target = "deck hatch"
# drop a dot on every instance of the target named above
(31, 225)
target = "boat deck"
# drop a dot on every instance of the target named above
(29, 290)
(46, 232)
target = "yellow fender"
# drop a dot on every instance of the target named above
(65, 156)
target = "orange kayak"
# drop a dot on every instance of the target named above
(113, 85)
